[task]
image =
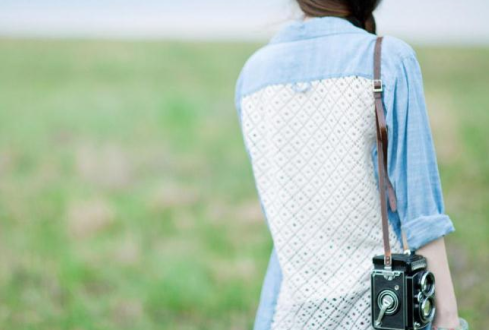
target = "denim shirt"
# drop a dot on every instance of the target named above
(329, 47)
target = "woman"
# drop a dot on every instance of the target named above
(307, 114)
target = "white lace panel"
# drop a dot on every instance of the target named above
(310, 146)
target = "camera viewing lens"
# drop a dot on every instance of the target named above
(427, 283)
(427, 310)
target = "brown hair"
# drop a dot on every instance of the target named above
(359, 12)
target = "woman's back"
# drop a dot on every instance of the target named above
(307, 113)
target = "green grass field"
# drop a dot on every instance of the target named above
(126, 196)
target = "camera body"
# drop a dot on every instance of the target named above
(403, 297)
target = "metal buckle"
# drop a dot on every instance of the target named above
(378, 86)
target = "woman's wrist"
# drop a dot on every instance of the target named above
(446, 319)
(462, 324)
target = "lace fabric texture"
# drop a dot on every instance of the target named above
(310, 146)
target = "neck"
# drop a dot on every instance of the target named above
(306, 17)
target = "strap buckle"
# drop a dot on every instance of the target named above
(378, 86)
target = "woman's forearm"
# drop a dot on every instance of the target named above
(445, 300)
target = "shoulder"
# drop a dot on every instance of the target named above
(267, 64)
(402, 77)
(260, 57)
(397, 49)
(399, 59)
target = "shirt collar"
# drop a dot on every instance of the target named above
(314, 28)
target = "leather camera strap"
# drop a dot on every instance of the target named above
(382, 143)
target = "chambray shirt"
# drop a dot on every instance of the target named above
(329, 47)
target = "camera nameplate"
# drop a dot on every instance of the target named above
(418, 264)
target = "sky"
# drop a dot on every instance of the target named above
(420, 21)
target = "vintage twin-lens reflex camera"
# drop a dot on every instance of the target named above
(403, 297)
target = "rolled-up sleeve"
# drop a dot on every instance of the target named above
(413, 166)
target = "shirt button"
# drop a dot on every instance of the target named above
(301, 87)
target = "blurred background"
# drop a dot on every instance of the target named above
(126, 196)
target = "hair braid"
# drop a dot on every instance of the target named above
(359, 12)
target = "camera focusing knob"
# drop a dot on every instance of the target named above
(387, 304)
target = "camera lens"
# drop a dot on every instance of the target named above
(427, 309)
(427, 283)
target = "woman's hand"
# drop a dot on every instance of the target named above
(446, 304)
